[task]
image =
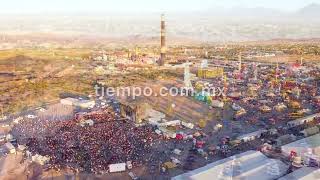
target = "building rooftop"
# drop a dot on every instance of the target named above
(309, 142)
(304, 173)
(250, 165)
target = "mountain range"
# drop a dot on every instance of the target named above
(312, 10)
(309, 11)
(212, 25)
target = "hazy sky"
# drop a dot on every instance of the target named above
(42, 6)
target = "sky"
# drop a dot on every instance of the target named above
(122, 6)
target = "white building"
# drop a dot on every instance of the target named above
(304, 173)
(187, 79)
(250, 165)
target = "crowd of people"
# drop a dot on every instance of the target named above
(33, 128)
(91, 148)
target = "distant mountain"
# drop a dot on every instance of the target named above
(309, 11)
(257, 12)
(312, 10)
(244, 12)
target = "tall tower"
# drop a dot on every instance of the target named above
(163, 41)
(187, 81)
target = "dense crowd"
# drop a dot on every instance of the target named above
(33, 128)
(93, 148)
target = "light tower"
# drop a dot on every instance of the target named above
(163, 41)
(187, 81)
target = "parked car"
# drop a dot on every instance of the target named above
(31, 116)
(133, 176)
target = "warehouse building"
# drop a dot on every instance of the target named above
(250, 165)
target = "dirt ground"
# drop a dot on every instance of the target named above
(11, 168)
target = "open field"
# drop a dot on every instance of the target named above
(47, 54)
(32, 77)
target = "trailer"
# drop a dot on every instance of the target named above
(120, 167)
